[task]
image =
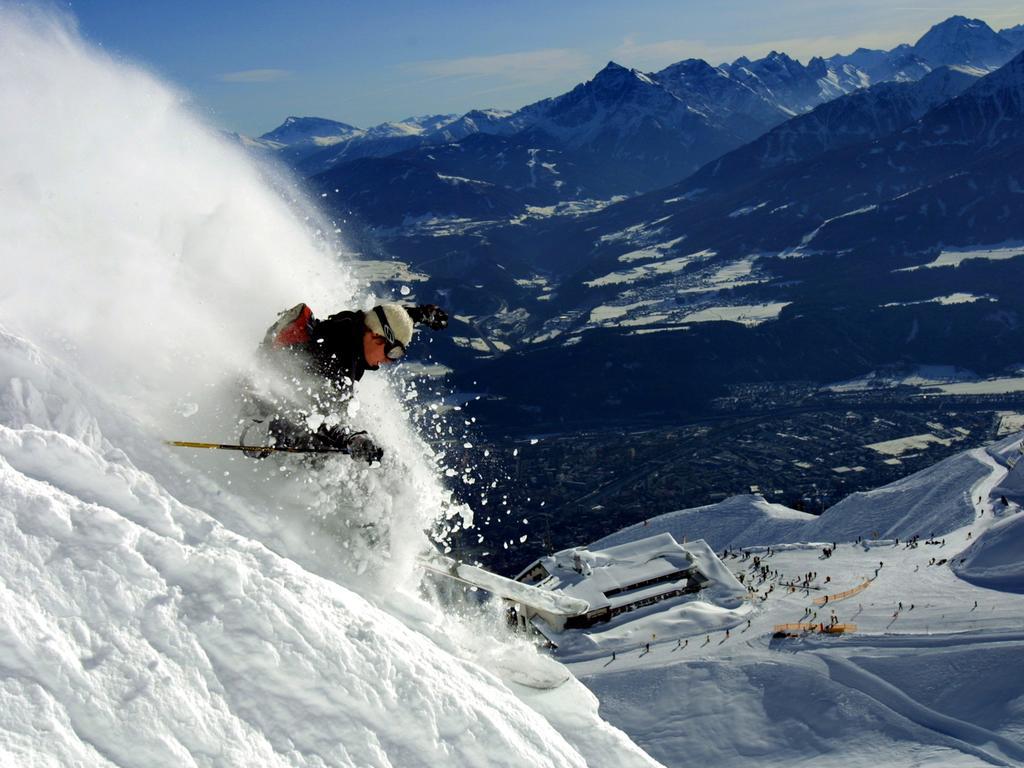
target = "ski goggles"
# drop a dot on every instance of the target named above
(393, 348)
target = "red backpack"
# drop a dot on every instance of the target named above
(293, 326)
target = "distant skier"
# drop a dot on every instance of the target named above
(335, 353)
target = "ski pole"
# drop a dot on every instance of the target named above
(254, 448)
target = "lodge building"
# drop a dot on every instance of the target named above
(620, 579)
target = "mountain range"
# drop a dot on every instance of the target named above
(178, 606)
(624, 131)
(828, 252)
(797, 210)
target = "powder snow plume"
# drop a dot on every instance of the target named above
(150, 255)
(180, 608)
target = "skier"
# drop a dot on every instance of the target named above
(335, 353)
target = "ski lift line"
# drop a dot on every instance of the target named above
(253, 448)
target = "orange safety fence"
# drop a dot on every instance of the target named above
(838, 629)
(796, 627)
(842, 595)
(828, 629)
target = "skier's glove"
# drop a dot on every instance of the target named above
(362, 448)
(429, 315)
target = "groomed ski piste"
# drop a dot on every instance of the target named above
(192, 608)
(929, 673)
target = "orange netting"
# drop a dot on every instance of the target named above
(828, 629)
(842, 595)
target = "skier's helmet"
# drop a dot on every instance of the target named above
(392, 323)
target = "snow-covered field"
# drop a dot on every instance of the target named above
(747, 314)
(666, 292)
(987, 387)
(953, 298)
(954, 257)
(902, 445)
(935, 380)
(656, 268)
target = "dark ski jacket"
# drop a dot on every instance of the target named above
(335, 348)
(330, 350)
(317, 364)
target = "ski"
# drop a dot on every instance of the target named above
(250, 448)
(540, 599)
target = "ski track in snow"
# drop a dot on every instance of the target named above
(967, 738)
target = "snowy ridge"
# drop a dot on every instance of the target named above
(738, 521)
(129, 609)
(161, 627)
(970, 42)
(994, 560)
(932, 500)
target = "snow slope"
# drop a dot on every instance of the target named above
(929, 676)
(202, 609)
(933, 501)
(198, 609)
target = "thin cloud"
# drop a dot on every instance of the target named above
(255, 76)
(525, 66)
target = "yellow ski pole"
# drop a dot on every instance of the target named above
(253, 448)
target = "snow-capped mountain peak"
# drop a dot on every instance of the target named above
(1015, 35)
(613, 100)
(790, 86)
(959, 40)
(615, 77)
(692, 68)
(988, 113)
(306, 129)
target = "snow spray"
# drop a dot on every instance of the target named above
(149, 253)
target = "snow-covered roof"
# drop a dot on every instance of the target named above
(633, 571)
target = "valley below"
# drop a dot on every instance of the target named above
(805, 448)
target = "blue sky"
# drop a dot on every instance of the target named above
(248, 65)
